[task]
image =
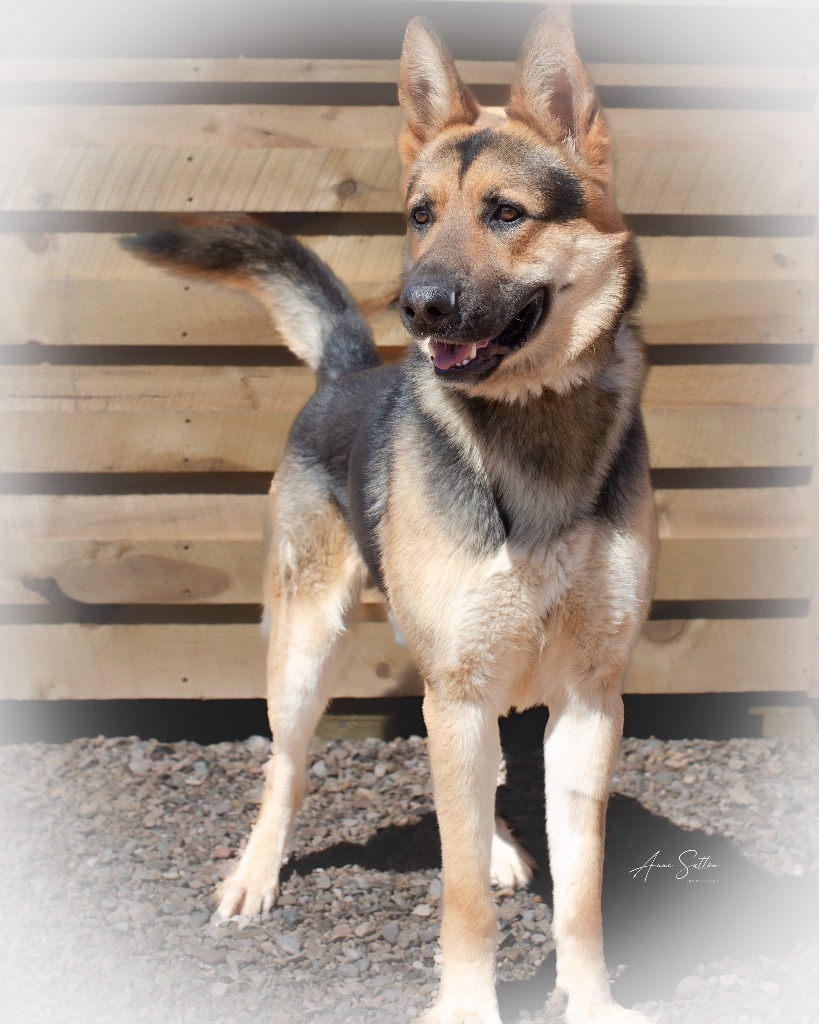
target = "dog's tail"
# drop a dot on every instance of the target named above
(311, 308)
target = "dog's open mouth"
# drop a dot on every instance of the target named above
(474, 360)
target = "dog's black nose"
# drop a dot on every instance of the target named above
(427, 305)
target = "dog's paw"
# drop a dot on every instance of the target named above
(511, 866)
(246, 894)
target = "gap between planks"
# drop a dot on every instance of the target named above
(474, 72)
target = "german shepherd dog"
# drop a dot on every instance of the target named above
(495, 484)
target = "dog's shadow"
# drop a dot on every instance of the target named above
(660, 922)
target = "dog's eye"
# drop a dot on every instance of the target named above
(420, 215)
(507, 213)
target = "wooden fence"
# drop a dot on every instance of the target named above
(141, 415)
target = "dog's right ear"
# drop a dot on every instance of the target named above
(430, 90)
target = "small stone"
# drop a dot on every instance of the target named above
(769, 988)
(690, 986)
(210, 956)
(287, 944)
(740, 794)
(219, 989)
(422, 910)
(258, 746)
(389, 933)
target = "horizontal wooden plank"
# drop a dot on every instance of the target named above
(729, 513)
(749, 181)
(716, 544)
(237, 126)
(716, 439)
(229, 572)
(728, 312)
(84, 312)
(163, 419)
(118, 662)
(370, 259)
(704, 656)
(733, 513)
(250, 69)
(177, 661)
(166, 442)
(764, 386)
(84, 289)
(284, 390)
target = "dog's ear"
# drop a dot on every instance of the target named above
(553, 93)
(430, 90)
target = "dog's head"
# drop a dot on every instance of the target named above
(517, 262)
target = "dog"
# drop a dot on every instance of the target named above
(494, 484)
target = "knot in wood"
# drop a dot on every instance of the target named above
(347, 188)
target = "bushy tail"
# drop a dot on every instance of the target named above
(311, 308)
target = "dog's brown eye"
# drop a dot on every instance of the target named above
(508, 213)
(420, 215)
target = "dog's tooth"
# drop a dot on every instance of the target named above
(473, 352)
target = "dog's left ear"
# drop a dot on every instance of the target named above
(430, 90)
(553, 93)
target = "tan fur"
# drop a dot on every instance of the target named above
(313, 578)
(528, 625)
(550, 615)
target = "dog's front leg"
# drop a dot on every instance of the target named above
(581, 744)
(464, 748)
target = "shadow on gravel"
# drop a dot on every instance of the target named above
(660, 922)
(399, 848)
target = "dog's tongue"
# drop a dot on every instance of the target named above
(448, 355)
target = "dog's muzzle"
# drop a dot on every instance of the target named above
(470, 361)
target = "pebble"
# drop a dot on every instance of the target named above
(769, 988)
(690, 986)
(110, 860)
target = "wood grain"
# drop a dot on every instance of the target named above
(84, 289)
(370, 259)
(238, 126)
(85, 312)
(182, 419)
(718, 544)
(284, 390)
(186, 661)
(706, 181)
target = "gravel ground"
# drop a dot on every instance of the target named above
(112, 847)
